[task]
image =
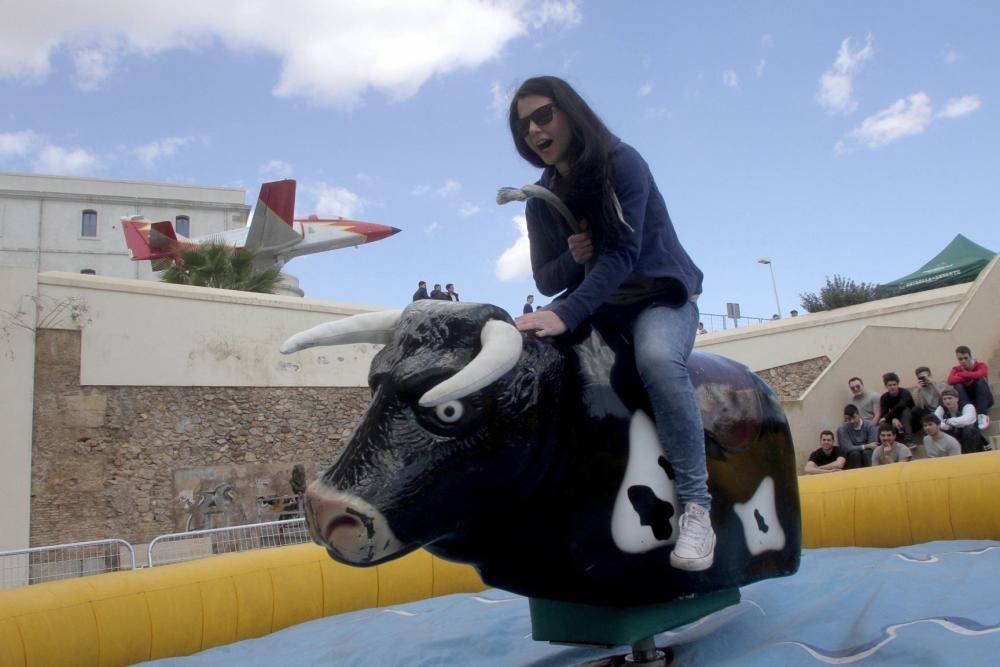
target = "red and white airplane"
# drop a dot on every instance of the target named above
(273, 230)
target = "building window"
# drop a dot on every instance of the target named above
(88, 227)
(182, 225)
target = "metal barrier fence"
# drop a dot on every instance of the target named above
(194, 544)
(715, 322)
(21, 567)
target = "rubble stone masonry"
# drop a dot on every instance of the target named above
(104, 458)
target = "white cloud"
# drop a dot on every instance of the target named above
(431, 228)
(330, 51)
(729, 79)
(450, 187)
(151, 153)
(645, 89)
(420, 190)
(468, 209)
(959, 106)
(333, 200)
(65, 161)
(836, 86)
(17, 143)
(515, 261)
(951, 56)
(92, 65)
(275, 170)
(904, 118)
(501, 98)
(759, 69)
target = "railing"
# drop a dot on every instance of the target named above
(714, 322)
(194, 544)
(21, 567)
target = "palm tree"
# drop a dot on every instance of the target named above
(225, 267)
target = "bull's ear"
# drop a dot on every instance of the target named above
(501, 348)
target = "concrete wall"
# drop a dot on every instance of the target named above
(153, 334)
(126, 396)
(791, 340)
(17, 362)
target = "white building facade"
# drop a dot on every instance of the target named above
(62, 223)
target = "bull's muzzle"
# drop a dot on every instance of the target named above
(352, 531)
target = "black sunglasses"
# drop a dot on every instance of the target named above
(541, 116)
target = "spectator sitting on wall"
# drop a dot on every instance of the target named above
(439, 294)
(421, 292)
(701, 328)
(889, 451)
(793, 313)
(865, 401)
(969, 378)
(825, 459)
(450, 292)
(857, 438)
(926, 397)
(529, 305)
(937, 442)
(960, 422)
(894, 407)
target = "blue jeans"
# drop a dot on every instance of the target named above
(980, 395)
(663, 338)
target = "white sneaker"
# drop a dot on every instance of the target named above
(984, 422)
(695, 548)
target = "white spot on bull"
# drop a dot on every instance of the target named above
(643, 469)
(759, 517)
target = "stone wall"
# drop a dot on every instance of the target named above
(791, 380)
(106, 460)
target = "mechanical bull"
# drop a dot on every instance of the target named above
(536, 462)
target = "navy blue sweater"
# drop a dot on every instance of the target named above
(651, 250)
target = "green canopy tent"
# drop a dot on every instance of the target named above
(960, 262)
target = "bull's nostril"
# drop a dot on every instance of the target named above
(342, 521)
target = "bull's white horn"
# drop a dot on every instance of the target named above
(375, 328)
(501, 349)
(526, 192)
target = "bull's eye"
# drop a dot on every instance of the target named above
(450, 412)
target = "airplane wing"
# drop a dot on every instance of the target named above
(271, 226)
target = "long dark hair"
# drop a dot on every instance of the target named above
(588, 189)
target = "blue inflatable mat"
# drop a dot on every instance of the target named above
(933, 604)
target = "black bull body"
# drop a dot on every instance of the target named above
(542, 469)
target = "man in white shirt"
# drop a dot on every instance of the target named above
(960, 422)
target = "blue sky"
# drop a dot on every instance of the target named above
(851, 138)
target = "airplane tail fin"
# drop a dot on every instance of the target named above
(155, 241)
(272, 223)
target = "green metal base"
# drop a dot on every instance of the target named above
(584, 624)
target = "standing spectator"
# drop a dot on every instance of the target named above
(889, 451)
(450, 292)
(857, 438)
(959, 421)
(937, 442)
(894, 406)
(701, 328)
(926, 397)
(865, 401)
(528, 305)
(826, 458)
(969, 380)
(421, 292)
(439, 294)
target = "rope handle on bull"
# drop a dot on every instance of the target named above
(526, 192)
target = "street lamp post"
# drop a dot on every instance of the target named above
(774, 284)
